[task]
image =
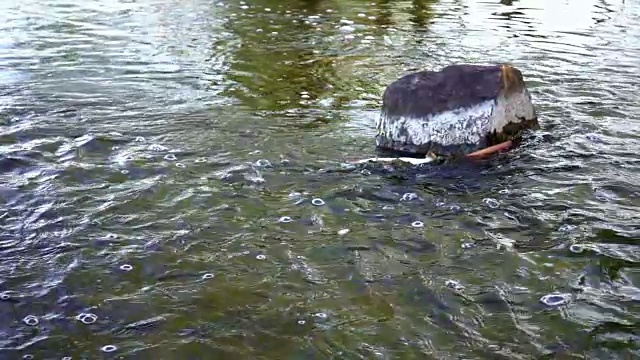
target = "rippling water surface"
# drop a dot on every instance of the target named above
(174, 183)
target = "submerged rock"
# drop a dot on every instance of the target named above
(456, 111)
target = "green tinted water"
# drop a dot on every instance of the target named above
(159, 162)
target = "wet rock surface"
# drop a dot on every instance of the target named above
(455, 111)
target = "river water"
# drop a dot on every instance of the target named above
(174, 183)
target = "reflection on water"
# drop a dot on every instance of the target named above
(173, 183)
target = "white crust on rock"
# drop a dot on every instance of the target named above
(465, 125)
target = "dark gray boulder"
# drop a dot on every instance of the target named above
(455, 111)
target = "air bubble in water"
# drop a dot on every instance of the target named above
(126, 267)
(87, 318)
(157, 147)
(301, 322)
(261, 257)
(417, 224)
(140, 139)
(263, 163)
(409, 197)
(321, 315)
(294, 195)
(285, 219)
(575, 248)
(555, 299)
(124, 171)
(170, 157)
(30, 320)
(317, 202)
(181, 165)
(108, 348)
(492, 203)
(343, 232)
(4, 296)
(207, 276)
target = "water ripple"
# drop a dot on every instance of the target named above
(173, 180)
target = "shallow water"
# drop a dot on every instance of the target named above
(162, 164)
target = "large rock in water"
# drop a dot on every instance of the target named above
(455, 111)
